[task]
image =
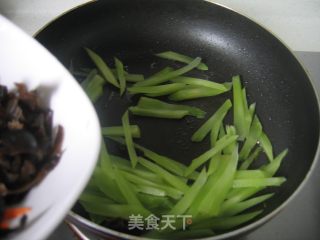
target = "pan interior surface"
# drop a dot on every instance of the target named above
(229, 43)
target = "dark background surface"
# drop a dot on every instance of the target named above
(301, 218)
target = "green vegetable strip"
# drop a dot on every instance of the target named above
(117, 131)
(252, 109)
(215, 160)
(220, 188)
(93, 87)
(247, 162)
(222, 132)
(214, 163)
(193, 93)
(149, 190)
(126, 189)
(200, 82)
(241, 206)
(271, 168)
(115, 210)
(165, 162)
(145, 102)
(185, 202)
(243, 174)
(226, 223)
(86, 197)
(168, 177)
(213, 123)
(230, 132)
(252, 138)
(214, 132)
(89, 76)
(105, 160)
(244, 98)
(240, 113)
(156, 91)
(266, 145)
(180, 58)
(128, 139)
(162, 72)
(238, 195)
(121, 75)
(103, 68)
(155, 80)
(248, 116)
(221, 144)
(132, 77)
(158, 113)
(212, 179)
(258, 182)
(107, 185)
(155, 202)
(171, 192)
(140, 171)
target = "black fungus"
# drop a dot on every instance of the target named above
(29, 149)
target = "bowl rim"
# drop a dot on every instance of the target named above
(102, 231)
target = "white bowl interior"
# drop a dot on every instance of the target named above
(22, 59)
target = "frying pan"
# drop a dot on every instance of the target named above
(230, 44)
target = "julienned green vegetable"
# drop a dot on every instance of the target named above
(221, 184)
(103, 68)
(242, 206)
(170, 178)
(200, 83)
(152, 103)
(185, 202)
(157, 184)
(126, 189)
(156, 91)
(197, 162)
(158, 79)
(169, 191)
(241, 114)
(165, 162)
(266, 145)
(120, 75)
(130, 77)
(180, 58)
(158, 113)
(93, 86)
(128, 138)
(238, 195)
(213, 123)
(244, 174)
(118, 131)
(247, 162)
(254, 134)
(258, 182)
(149, 107)
(133, 77)
(194, 92)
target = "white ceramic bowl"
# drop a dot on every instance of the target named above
(22, 59)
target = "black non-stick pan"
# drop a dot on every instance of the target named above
(229, 43)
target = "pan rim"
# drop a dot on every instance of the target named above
(85, 223)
